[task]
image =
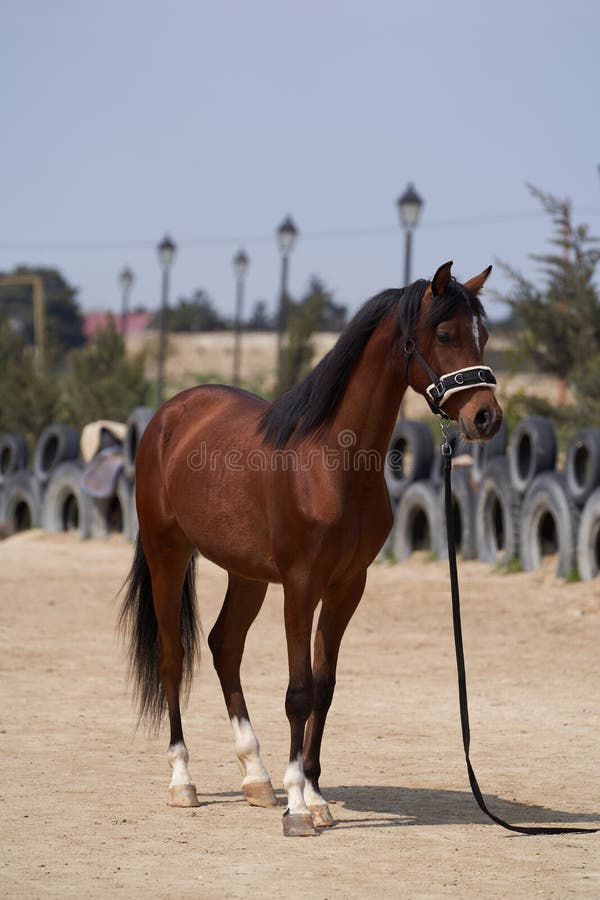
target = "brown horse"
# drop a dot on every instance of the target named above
(291, 492)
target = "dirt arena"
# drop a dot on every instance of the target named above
(83, 797)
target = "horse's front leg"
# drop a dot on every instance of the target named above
(300, 600)
(339, 604)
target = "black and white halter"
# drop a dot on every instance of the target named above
(444, 386)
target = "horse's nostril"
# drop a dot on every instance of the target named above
(483, 419)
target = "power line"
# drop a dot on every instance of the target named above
(249, 240)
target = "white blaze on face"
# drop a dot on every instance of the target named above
(247, 750)
(477, 334)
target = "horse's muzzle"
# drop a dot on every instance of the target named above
(484, 424)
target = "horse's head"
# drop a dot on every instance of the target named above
(445, 354)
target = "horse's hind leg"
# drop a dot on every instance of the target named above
(339, 604)
(242, 604)
(172, 576)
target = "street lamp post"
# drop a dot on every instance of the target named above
(240, 267)
(286, 237)
(166, 252)
(126, 279)
(410, 205)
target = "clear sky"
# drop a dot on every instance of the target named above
(126, 119)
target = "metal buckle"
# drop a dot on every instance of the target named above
(446, 447)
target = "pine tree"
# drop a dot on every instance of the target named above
(559, 323)
(302, 321)
(27, 397)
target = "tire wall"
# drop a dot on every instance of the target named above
(49, 495)
(512, 506)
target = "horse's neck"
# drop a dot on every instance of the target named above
(374, 393)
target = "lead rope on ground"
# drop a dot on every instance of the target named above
(446, 450)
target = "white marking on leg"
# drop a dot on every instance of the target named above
(313, 797)
(293, 782)
(179, 758)
(476, 334)
(247, 749)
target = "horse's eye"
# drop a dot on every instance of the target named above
(443, 337)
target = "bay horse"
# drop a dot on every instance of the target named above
(290, 492)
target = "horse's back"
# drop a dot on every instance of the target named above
(212, 412)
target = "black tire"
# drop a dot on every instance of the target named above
(497, 514)
(588, 541)
(66, 507)
(532, 450)
(409, 457)
(115, 515)
(419, 522)
(136, 425)
(583, 464)
(20, 502)
(386, 554)
(460, 447)
(548, 524)
(463, 503)
(483, 451)
(133, 517)
(57, 444)
(13, 455)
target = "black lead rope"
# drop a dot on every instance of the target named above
(460, 663)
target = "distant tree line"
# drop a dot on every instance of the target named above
(199, 313)
(96, 381)
(64, 319)
(81, 382)
(554, 325)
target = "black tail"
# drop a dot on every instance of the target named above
(138, 619)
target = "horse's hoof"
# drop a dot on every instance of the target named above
(298, 825)
(259, 793)
(183, 795)
(321, 815)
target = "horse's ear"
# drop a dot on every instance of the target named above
(475, 284)
(441, 279)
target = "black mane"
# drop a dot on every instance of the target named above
(309, 405)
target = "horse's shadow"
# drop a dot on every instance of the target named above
(385, 807)
(402, 806)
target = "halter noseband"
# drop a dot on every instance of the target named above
(443, 386)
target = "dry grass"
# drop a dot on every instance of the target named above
(195, 358)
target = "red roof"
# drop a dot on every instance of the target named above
(97, 321)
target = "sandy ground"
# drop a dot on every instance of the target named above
(83, 798)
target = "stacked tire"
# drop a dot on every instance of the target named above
(20, 495)
(583, 483)
(408, 468)
(548, 518)
(58, 471)
(118, 513)
(137, 423)
(51, 495)
(510, 503)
